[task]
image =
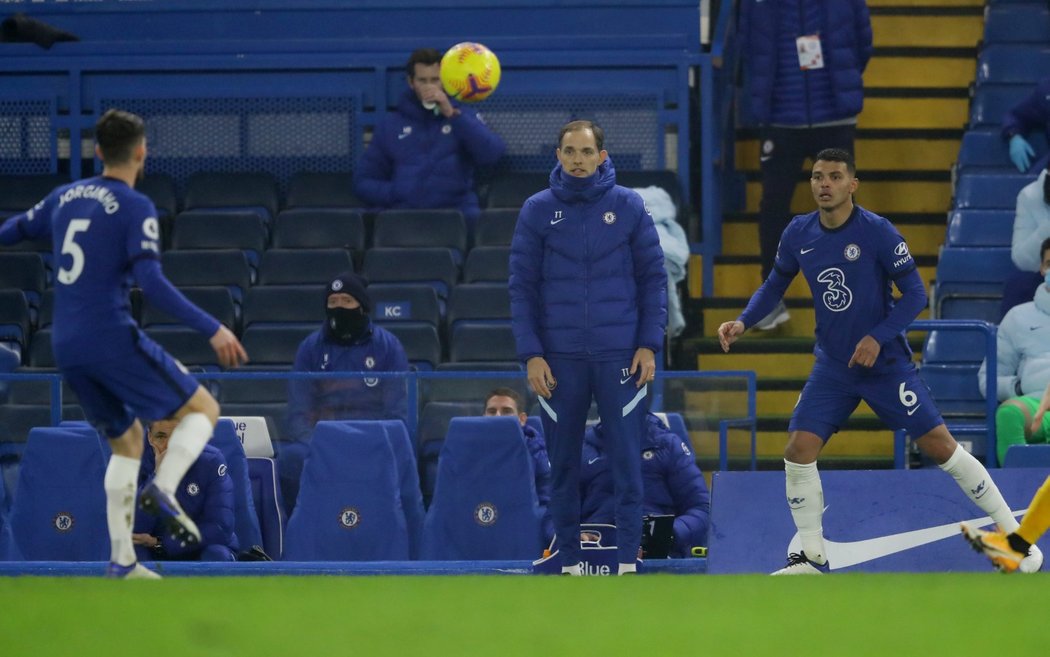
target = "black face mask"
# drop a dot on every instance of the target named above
(346, 325)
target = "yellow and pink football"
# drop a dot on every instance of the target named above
(469, 72)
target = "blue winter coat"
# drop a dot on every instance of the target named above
(587, 273)
(310, 401)
(1032, 113)
(672, 484)
(783, 94)
(206, 495)
(421, 160)
(541, 469)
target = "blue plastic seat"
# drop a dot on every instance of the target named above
(225, 267)
(23, 271)
(349, 506)
(980, 228)
(228, 229)
(303, 266)
(160, 188)
(189, 346)
(59, 507)
(41, 353)
(478, 302)
(482, 341)
(947, 347)
(320, 228)
(422, 228)
(14, 317)
(393, 302)
(434, 266)
(973, 270)
(420, 340)
(495, 227)
(986, 307)
(214, 300)
(484, 504)
(275, 345)
(285, 304)
(954, 388)
(433, 425)
(253, 191)
(487, 264)
(1017, 23)
(266, 494)
(18, 193)
(1012, 64)
(510, 189)
(1027, 456)
(991, 102)
(984, 150)
(309, 189)
(990, 191)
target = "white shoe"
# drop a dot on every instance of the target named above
(135, 571)
(775, 318)
(1033, 562)
(575, 569)
(799, 564)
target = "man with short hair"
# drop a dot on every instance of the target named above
(1022, 367)
(849, 257)
(423, 154)
(509, 402)
(102, 229)
(588, 299)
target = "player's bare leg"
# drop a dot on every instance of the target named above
(805, 498)
(122, 473)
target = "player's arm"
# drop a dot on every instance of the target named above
(767, 296)
(651, 283)
(526, 258)
(29, 225)
(1044, 406)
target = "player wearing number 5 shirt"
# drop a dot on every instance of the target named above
(851, 258)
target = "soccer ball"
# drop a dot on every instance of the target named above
(469, 72)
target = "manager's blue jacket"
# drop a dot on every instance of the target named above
(418, 159)
(672, 484)
(781, 93)
(587, 273)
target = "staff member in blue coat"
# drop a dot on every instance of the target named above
(423, 154)
(672, 484)
(1031, 114)
(804, 61)
(589, 311)
(206, 495)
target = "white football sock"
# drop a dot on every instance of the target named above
(806, 501)
(121, 475)
(975, 481)
(185, 445)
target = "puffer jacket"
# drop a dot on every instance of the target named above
(783, 94)
(586, 271)
(1022, 349)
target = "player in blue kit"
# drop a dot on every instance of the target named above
(850, 258)
(103, 230)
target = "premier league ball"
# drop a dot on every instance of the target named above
(469, 72)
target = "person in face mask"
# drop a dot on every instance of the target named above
(347, 342)
(1023, 369)
(1031, 227)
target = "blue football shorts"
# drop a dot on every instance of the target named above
(144, 382)
(832, 393)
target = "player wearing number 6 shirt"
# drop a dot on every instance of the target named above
(851, 257)
(102, 230)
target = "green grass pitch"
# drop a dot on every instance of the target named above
(751, 616)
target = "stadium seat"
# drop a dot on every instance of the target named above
(970, 270)
(433, 425)
(16, 421)
(991, 102)
(266, 494)
(954, 388)
(10, 359)
(18, 193)
(478, 302)
(14, 317)
(303, 267)
(254, 433)
(946, 347)
(187, 345)
(484, 504)
(225, 267)
(986, 307)
(286, 304)
(984, 151)
(320, 228)
(408, 481)
(482, 341)
(1012, 64)
(45, 313)
(273, 413)
(228, 229)
(322, 190)
(247, 390)
(980, 228)
(511, 189)
(1027, 456)
(40, 352)
(989, 191)
(23, 271)
(420, 340)
(1020, 23)
(216, 301)
(245, 516)
(275, 345)
(496, 227)
(433, 266)
(59, 507)
(487, 264)
(213, 189)
(160, 188)
(422, 229)
(349, 506)
(392, 302)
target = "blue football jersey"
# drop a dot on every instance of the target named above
(99, 228)
(850, 271)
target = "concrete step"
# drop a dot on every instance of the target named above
(894, 111)
(931, 28)
(908, 69)
(876, 153)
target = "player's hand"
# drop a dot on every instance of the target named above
(228, 348)
(540, 377)
(144, 539)
(644, 363)
(730, 332)
(1044, 405)
(434, 94)
(866, 353)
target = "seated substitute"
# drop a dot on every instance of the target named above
(347, 342)
(206, 495)
(1032, 113)
(1031, 227)
(1023, 367)
(507, 401)
(672, 484)
(424, 153)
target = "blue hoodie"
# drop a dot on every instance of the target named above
(587, 273)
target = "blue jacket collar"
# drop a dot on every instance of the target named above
(571, 189)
